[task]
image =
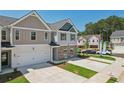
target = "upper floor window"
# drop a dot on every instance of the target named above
(33, 35)
(93, 41)
(63, 36)
(72, 37)
(46, 36)
(17, 35)
(3, 35)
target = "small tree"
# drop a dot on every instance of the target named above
(86, 45)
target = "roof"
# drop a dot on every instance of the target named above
(118, 33)
(4, 20)
(59, 24)
(88, 36)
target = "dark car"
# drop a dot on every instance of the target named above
(90, 51)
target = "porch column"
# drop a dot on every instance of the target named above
(11, 39)
(51, 59)
(0, 47)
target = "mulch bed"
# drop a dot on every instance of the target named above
(9, 76)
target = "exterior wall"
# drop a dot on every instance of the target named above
(74, 42)
(68, 51)
(67, 41)
(81, 42)
(25, 37)
(7, 36)
(95, 41)
(23, 55)
(31, 22)
(116, 40)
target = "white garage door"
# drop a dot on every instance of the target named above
(27, 55)
(118, 49)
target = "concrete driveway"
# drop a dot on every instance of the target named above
(47, 73)
(93, 65)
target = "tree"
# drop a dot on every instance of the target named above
(104, 27)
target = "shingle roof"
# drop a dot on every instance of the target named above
(88, 36)
(4, 20)
(117, 33)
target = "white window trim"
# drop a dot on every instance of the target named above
(60, 36)
(15, 34)
(47, 36)
(71, 39)
(35, 36)
(5, 35)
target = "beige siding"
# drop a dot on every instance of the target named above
(7, 36)
(25, 37)
(31, 22)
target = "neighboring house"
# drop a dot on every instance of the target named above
(30, 40)
(117, 40)
(92, 40)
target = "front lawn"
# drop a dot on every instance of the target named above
(78, 70)
(107, 57)
(14, 77)
(112, 80)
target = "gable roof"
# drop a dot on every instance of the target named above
(34, 13)
(5, 20)
(57, 25)
(117, 33)
(87, 37)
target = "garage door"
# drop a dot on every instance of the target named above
(118, 49)
(27, 55)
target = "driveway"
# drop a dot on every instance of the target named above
(47, 73)
(93, 65)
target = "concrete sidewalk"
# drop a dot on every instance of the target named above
(114, 69)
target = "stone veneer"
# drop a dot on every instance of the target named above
(66, 52)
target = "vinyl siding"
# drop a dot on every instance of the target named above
(25, 37)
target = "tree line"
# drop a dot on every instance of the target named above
(104, 27)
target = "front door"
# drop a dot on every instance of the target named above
(4, 59)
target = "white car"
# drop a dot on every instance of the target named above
(104, 52)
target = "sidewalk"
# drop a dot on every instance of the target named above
(115, 69)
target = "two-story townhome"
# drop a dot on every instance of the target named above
(30, 40)
(92, 40)
(117, 40)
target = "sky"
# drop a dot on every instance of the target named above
(79, 17)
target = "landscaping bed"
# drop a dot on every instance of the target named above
(14, 77)
(78, 70)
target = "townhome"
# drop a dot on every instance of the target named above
(117, 40)
(92, 40)
(30, 40)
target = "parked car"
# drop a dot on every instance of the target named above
(109, 52)
(90, 51)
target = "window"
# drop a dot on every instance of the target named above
(46, 36)
(3, 35)
(17, 35)
(33, 35)
(63, 36)
(93, 41)
(72, 37)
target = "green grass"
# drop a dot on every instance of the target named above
(78, 70)
(112, 80)
(20, 79)
(13, 77)
(107, 57)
